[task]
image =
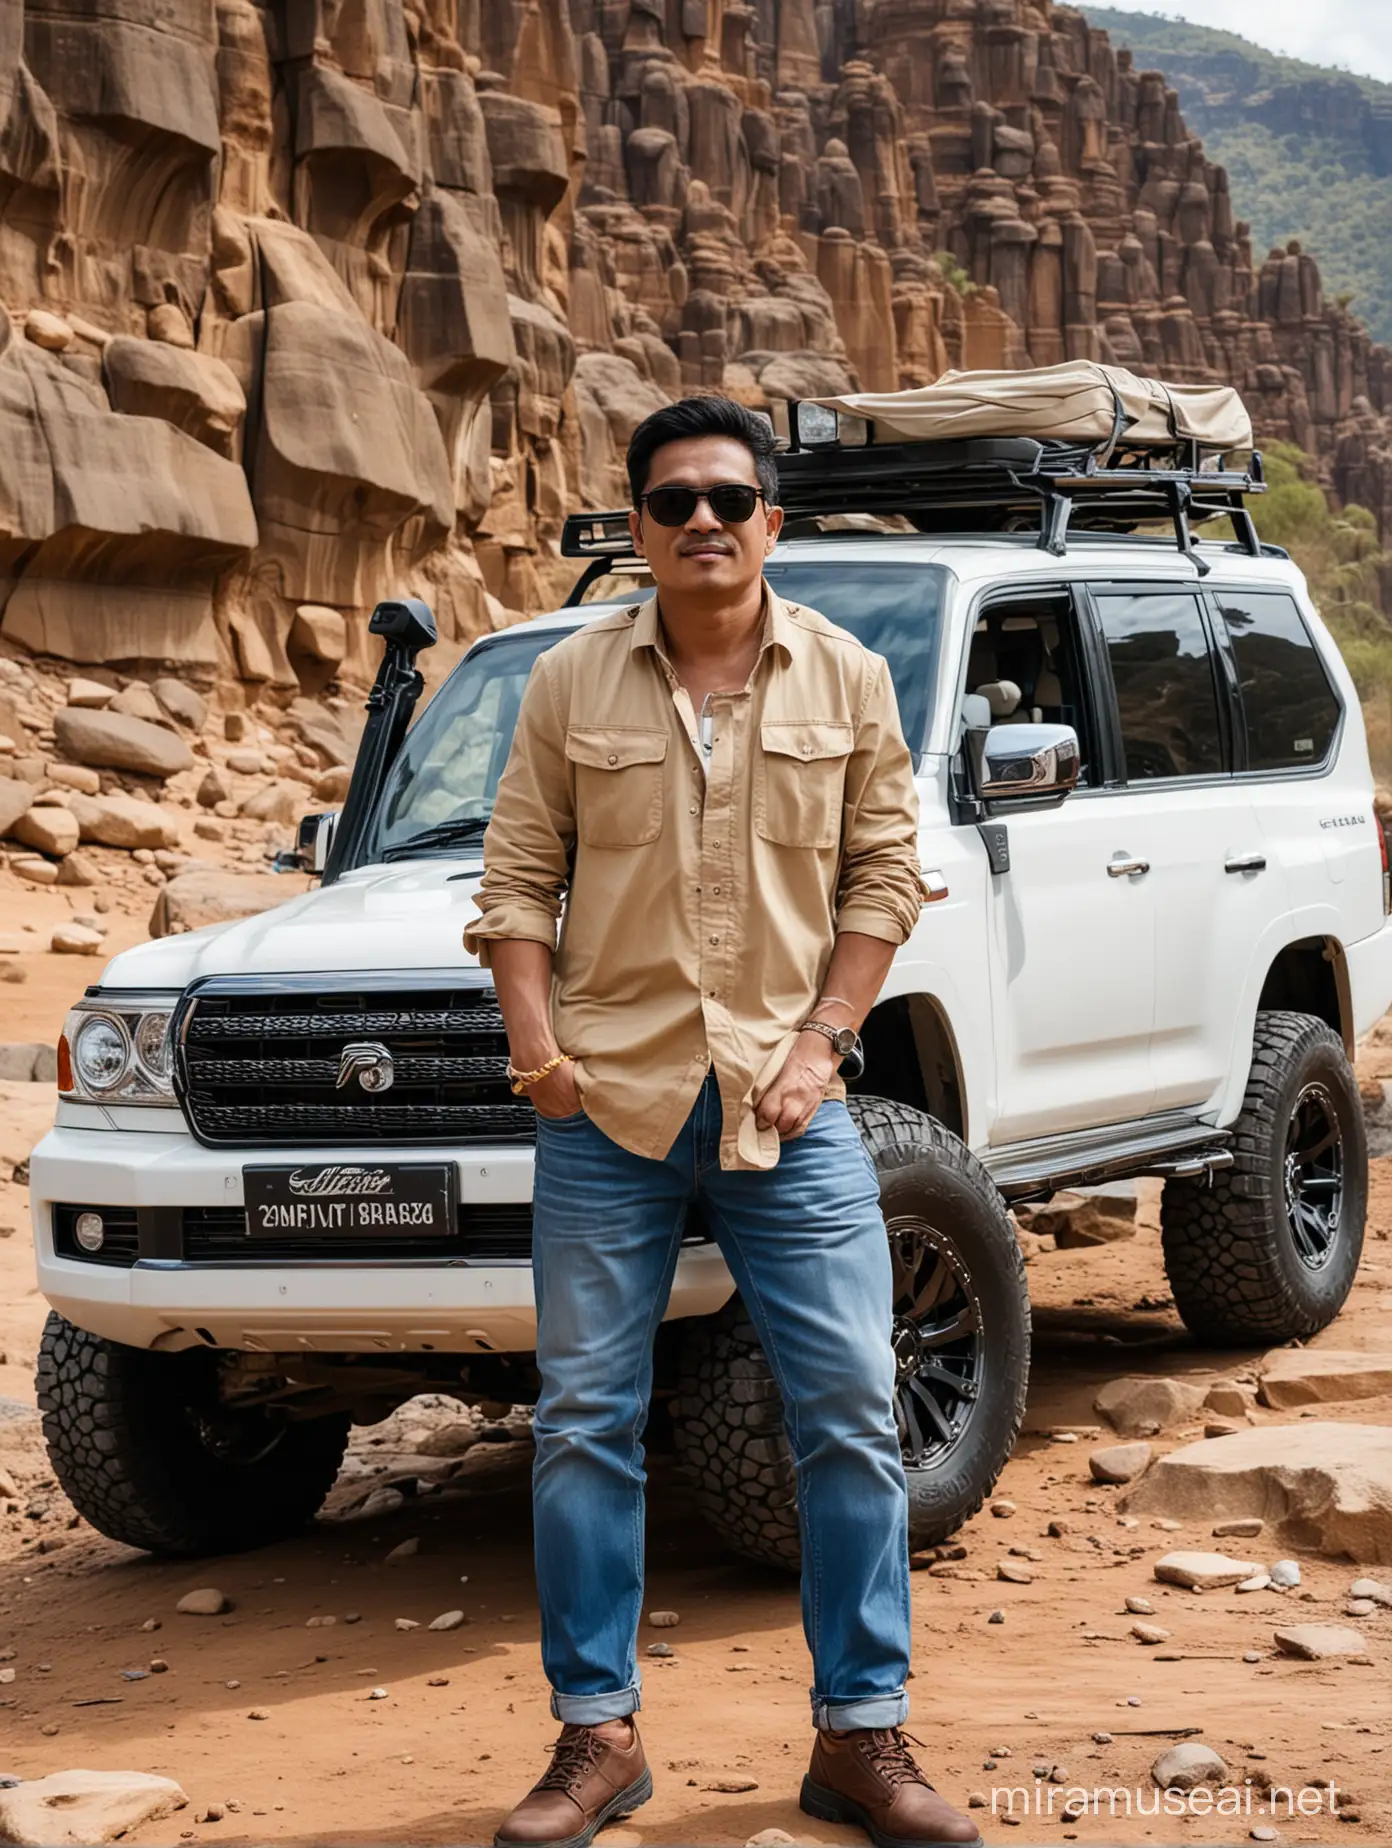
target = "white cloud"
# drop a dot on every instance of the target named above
(1356, 34)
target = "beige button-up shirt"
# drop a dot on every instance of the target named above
(698, 906)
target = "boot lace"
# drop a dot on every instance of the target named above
(887, 1752)
(573, 1756)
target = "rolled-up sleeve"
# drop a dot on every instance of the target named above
(881, 891)
(527, 849)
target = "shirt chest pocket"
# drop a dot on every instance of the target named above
(800, 781)
(618, 784)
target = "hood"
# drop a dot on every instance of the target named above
(410, 915)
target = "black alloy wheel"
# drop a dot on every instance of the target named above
(1314, 1176)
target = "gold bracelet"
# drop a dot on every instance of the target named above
(523, 1081)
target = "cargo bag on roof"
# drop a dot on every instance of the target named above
(1079, 401)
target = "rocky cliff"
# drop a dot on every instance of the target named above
(320, 299)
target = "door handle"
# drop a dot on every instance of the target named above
(1123, 866)
(1245, 863)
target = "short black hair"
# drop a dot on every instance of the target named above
(706, 415)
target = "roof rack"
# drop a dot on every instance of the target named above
(984, 484)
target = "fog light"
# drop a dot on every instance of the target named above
(90, 1232)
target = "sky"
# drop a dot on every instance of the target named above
(1356, 34)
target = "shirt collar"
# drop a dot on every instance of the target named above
(780, 631)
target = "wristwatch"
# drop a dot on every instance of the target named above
(845, 1043)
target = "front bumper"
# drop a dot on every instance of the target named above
(358, 1304)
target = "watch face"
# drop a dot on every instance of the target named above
(845, 1041)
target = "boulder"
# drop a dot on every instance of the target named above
(90, 693)
(115, 741)
(1321, 1486)
(28, 1062)
(213, 789)
(166, 321)
(1228, 1399)
(1207, 1571)
(75, 776)
(280, 802)
(75, 940)
(332, 785)
(194, 899)
(137, 702)
(123, 821)
(1320, 1376)
(52, 830)
(1119, 1462)
(78, 869)
(193, 391)
(16, 799)
(36, 870)
(82, 1807)
(319, 632)
(1185, 1765)
(183, 705)
(1314, 1642)
(48, 330)
(1138, 1406)
(321, 730)
(1075, 1220)
(205, 1601)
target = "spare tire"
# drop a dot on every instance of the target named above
(961, 1337)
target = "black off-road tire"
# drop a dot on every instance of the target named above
(129, 1441)
(1231, 1254)
(728, 1416)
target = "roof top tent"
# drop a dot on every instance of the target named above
(1078, 447)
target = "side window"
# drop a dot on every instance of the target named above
(1289, 705)
(1026, 661)
(1163, 671)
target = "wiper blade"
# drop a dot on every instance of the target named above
(443, 834)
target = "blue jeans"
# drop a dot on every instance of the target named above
(806, 1245)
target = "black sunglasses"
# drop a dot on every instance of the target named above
(732, 503)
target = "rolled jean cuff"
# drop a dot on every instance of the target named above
(595, 1709)
(879, 1710)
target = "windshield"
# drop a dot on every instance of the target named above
(441, 789)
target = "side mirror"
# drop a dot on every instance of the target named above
(310, 854)
(1028, 764)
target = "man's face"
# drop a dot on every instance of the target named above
(705, 554)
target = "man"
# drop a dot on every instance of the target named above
(719, 783)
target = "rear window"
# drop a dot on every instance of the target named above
(1290, 709)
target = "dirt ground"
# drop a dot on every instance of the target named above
(276, 1721)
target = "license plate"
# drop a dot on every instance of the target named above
(342, 1199)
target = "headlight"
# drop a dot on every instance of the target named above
(101, 1053)
(115, 1049)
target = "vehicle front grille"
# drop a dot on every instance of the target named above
(481, 1235)
(261, 1063)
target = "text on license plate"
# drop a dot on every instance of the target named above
(344, 1199)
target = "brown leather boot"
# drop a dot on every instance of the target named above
(594, 1778)
(870, 1778)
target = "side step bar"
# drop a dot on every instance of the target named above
(1176, 1147)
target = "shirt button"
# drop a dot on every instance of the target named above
(715, 889)
(613, 757)
(694, 809)
(715, 940)
(715, 843)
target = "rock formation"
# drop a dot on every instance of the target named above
(307, 303)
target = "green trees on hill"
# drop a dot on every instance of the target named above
(1308, 150)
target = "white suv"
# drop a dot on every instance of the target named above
(288, 1185)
